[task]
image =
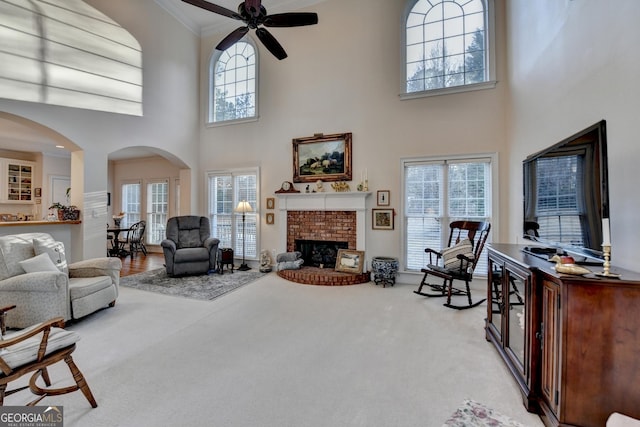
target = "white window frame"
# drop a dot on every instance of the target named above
(147, 214)
(237, 218)
(129, 219)
(490, 58)
(495, 202)
(211, 98)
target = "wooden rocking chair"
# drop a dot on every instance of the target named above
(456, 262)
(34, 349)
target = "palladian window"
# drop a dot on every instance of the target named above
(233, 95)
(447, 45)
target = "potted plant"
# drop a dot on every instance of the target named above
(66, 213)
(71, 213)
(60, 210)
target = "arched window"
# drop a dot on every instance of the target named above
(447, 46)
(233, 94)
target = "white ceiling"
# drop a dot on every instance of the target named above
(18, 137)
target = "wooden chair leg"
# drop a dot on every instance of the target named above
(3, 389)
(496, 297)
(80, 381)
(460, 292)
(441, 290)
(45, 376)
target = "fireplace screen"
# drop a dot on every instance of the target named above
(319, 253)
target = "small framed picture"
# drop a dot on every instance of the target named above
(270, 218)
(382, 219)
(383, 197)
(349, 261)
(271, 202)
(37, 192)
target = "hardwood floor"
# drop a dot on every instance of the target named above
(141, 263)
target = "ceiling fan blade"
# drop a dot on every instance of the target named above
(214, 8)
(232, 38)
(292, 19)
(271, 43)
(253, 7)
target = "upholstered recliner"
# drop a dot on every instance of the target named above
(34, 276)
(188, 249)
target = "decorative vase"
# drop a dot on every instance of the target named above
(384, 270)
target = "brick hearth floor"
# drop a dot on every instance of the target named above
(324, 277)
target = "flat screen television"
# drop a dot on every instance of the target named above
(566, 194)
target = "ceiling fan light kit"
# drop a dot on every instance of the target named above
(255, 17)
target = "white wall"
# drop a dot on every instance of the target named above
(343, 75)
(170, 78)
(571, 64)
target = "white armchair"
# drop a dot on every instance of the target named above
(44, 286)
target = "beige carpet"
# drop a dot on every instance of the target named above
(275, 354)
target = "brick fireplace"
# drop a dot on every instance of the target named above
(330, 226)
(329, 217)
(322, 216)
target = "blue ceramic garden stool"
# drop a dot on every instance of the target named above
(384, 270)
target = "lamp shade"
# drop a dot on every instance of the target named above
(243, 207)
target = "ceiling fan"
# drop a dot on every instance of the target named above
(254, 15)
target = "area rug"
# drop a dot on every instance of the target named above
(474, 414)
(203, 287)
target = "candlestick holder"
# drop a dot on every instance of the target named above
(606, 249)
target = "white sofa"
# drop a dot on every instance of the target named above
(51, 288)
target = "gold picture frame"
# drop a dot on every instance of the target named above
(322, 158)
(270, 218)
(271, 202)
(350, 261)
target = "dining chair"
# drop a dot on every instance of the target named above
(135, 237)
(110, 242)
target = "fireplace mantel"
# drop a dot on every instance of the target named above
(336, 201)
(329, 201)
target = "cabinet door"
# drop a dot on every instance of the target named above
(495, 304)
(549, 332)
(517, 289)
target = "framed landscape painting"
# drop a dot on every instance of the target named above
(322, 157)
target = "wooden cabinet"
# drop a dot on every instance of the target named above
(581, 357)
(17, 181)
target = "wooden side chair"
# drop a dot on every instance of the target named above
(33, 350)
(456, 262)
(136, 238)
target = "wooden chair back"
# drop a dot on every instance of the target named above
(476, 231)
